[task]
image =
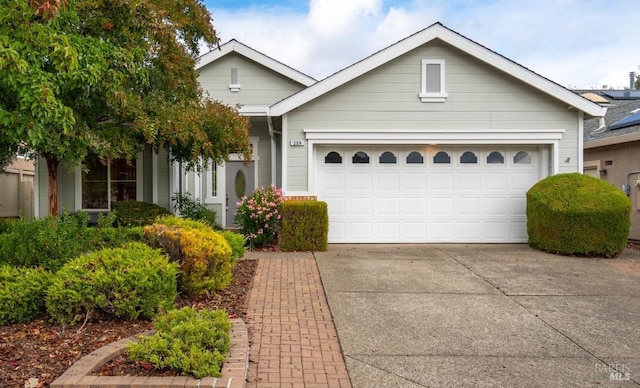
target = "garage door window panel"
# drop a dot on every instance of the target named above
(468, 157)
(495, 157)
(387, 157)
(522, 157)
(360, 157)
(441, 157)
(415, 157)
(333, 158)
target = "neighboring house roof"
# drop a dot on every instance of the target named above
(438, 31)
(621, 122)
(234, 46)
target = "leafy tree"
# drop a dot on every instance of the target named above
(106, 77)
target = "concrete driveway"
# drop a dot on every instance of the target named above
(452, 315)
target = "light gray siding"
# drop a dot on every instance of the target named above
(66, 188)
(164, 179)
(386, 98)
(259, 85)
(260, 129)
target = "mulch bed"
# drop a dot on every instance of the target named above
(45, 351)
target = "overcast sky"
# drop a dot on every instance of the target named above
(576, 43)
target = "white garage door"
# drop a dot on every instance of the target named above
(426, 194)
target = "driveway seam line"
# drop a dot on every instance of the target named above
(387, 371)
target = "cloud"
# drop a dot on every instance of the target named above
(577, 43)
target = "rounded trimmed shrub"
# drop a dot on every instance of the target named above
(131, 282)
(22, 293)
(576, 214)
(205, 257)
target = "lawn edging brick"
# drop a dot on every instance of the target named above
(234, 369)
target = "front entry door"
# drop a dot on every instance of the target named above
(240, 182)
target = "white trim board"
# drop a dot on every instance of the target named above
(493, 136)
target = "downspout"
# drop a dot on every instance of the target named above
(273, 147)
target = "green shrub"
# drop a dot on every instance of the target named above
(236, 242)
(22, 293)
(50, 242)
(135, 213)
(304, 226)
(193, 210)
(131, 282)
(205, 257)
(258, 215)
(575, 214)
(187, 341)
(4, 224)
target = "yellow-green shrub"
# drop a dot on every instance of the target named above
(205, 258)
(304, 226)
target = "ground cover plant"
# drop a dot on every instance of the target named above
(191, 342)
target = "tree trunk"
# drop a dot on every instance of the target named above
(52, 168)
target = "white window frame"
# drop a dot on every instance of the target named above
(220, 179)
(425, 96)
(234, 86)
(139, 185)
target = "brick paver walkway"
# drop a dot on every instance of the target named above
(293, 339)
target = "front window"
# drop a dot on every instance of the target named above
(103, 183)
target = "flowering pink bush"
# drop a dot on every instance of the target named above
(258, 215)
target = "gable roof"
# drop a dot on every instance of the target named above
(437, 31)
(234, 46)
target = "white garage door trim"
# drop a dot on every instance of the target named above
(429, 201)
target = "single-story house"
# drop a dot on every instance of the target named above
(612, 144)
(435, 138)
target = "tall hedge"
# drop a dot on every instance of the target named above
(576, 214)
(304, 226)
